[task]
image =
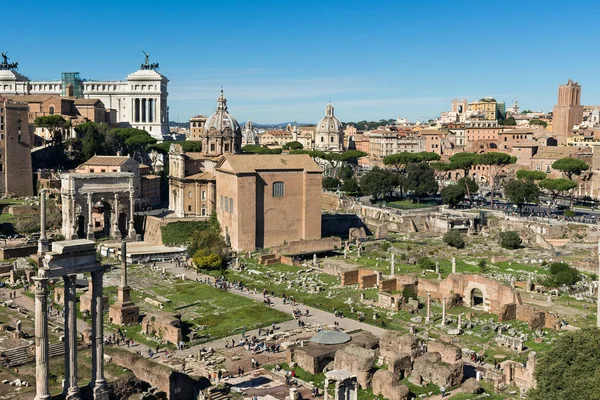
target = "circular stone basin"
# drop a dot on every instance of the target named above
(331, 337)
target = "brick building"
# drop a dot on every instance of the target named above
(268, 200)
(16, 137)
(568, 111)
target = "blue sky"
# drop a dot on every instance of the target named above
(284, 60)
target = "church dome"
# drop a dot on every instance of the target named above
(221, 123)
(329, 123)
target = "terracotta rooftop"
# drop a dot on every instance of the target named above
(249, 163)
(558, 152)
(107, 160)
(202, 176)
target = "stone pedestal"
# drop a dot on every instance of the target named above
(124, 312)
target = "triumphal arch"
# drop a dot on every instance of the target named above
(98, 203)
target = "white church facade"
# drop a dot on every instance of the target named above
(140, 101)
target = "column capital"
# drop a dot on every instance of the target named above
(41, 286)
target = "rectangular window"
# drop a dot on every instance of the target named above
(204, 195)
(102, 170)
(278, 189)
(231, 206)
(91, 169)
(190, 194)
(226, 204)
(221, 202)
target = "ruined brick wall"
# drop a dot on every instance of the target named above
(313, 363)
(176, 385)
(508, 312)
(7, 253)
(449, 353)
(308, 246)
(495, 294)
(429, 368)
(350, 277)
(385, 384)
(388, 284)
(393, 344)
(164, 326)
(367, 281)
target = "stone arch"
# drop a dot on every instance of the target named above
(476, 295)
(81, 227)
(122, 221)
(477, 299)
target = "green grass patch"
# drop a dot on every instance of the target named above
(178, 233)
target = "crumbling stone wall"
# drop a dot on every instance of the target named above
(312, 358)
(176, 385)
(166, 326)
(449, 352)
(359, 361)
(401, 366)
(508, 312)
(495, 294)
(429, 368)
(393, 344)
(350, 277)
(385, 384)
(368, 281)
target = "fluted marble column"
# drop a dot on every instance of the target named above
(41, 339)
(71, 338)
(43, 244)
(132, 231)
(90, 226)
(116, 232)
(100, 387)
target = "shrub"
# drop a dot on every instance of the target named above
(385, 246)
(454, 238)
(563, 274)
(482, 264)
(426, 263)
(409, 291)
(330, 183)
(569, 213)
(510, 240)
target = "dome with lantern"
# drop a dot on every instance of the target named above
(222, 133)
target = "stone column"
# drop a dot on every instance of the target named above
(41, 339)
(453, 265)
(132, 232)
(325, 394)
(116, 232)
(443, 311)
(43, 244)
(90, 226)
(99, 383)
(437, 267)
(459, 320)
(71, 338)
(393, 266)
(428, 317)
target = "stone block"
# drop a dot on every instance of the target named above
(386, 384)
(359, 361)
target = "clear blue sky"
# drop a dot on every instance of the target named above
(284, 60)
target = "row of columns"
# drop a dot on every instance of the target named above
(144, 110)
(98, 381)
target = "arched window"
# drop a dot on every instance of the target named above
(51, 110)
(278, 189)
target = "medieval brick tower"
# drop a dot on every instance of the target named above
(568, 111)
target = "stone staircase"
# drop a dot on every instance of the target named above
(26, 354)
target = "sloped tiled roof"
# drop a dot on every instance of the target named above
(202, 176)
(107, 160)
(248, 163)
